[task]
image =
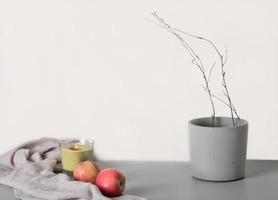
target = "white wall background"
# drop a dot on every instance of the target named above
(102, 69)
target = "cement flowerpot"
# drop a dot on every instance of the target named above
(218, 153)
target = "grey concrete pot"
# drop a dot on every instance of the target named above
(218, 153)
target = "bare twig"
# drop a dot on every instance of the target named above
(226, 88)
(195, 59)
(200, 38)
(210, 71)
(223, 101)
(222, 63)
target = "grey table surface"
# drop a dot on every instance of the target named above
(172, 181)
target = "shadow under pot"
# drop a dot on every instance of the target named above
(218, 148)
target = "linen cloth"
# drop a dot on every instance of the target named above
(29, 169)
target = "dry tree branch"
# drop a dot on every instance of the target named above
(223, 101)
(194, 55)
(222, 63)
(210, 71)
(232, 107)
(200, 38)
(226, 88)
(195, 59)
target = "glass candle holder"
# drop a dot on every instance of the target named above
(75, 151)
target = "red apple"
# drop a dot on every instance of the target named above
(86, 171)
(111, 182)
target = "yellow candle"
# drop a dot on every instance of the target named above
(73, 154)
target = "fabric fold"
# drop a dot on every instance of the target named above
(29, 169)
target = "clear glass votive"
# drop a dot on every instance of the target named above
(75, 151)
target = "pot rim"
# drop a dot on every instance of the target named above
(193, 122)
